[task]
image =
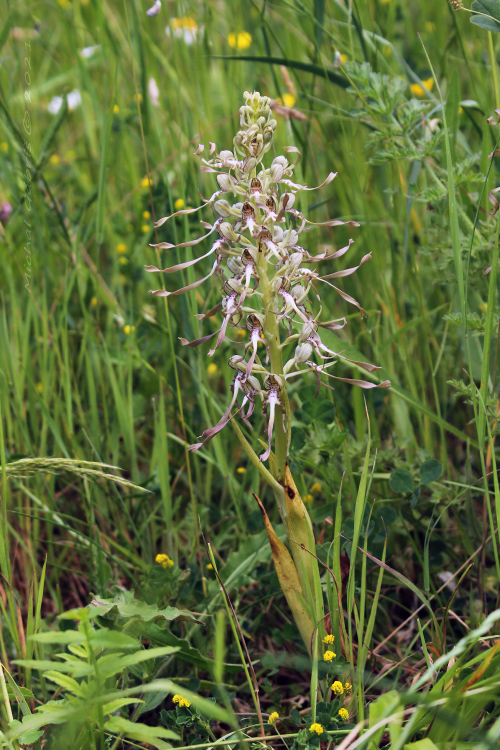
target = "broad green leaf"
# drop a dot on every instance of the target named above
(124, 662)
(488, 7)
(137, 608)
(485, 23)
(384, 706)
(186, 652)
(45, 665)
(51, 713)
(27, 736)
(113, 706)
(66, 682)
(430, 471)
(322, 411)
(401, 481)
(425, 744)
(141, 732)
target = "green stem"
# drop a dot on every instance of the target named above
(491, 50)
(272, 334)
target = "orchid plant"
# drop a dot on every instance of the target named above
(267, 280)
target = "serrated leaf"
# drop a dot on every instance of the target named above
(137, 608)
(430, 471)
(66, 682)
(401, 481)
(28, 736)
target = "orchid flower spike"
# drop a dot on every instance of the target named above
(266, 276)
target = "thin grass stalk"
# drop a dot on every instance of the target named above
(167, 314)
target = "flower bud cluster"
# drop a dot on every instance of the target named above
(266, 275)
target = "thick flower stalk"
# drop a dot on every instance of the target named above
(270, 281)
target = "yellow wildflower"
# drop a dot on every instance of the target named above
(343, 59)
(186, 22)
(309, 498)
(240, 470)
(210, 566)
(344, 714)
(4, 146)
(145, 228)
(316, 488)
(123, 279)
(127, 330)
(387, 51)
(167, 563)
(273, 718)
(123, 260)
(241, 333)
(64, 3)
(329, 639)
(146, 182)
(417, 89)
(288, 100)
(316, 728)
(116, 109)
(212, 369)
(54, 159)
(39, 388)
(93, 302)
(430, 26)
(121, 248)
(329, 655)
(179, 204)
(337, 687)
(181, 701)
(146, 215)
(241, 40)
(347, 688)
(138, 98)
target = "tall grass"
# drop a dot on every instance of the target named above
(90, 369)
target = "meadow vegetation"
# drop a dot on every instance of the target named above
(141, 601)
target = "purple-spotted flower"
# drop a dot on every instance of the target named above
(267, 276)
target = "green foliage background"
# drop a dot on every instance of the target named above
(91, 368)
